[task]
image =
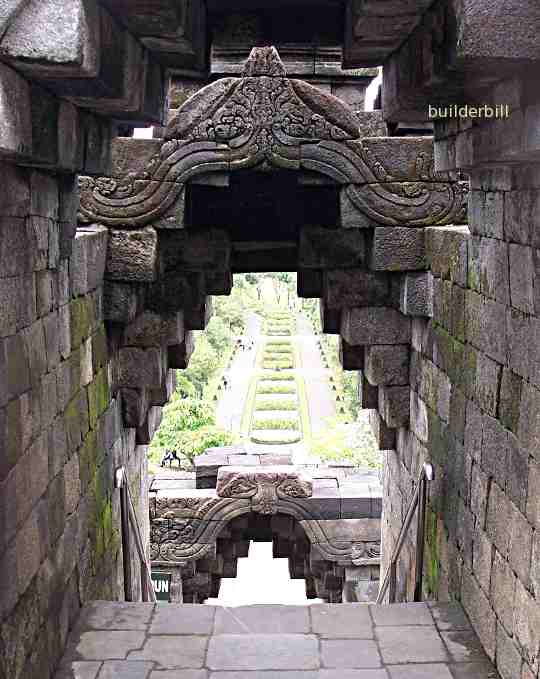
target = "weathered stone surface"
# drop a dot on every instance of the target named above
(197, 318)
(178, 355)
(71, 50)
(261, 619)
(322, 248)
(151, 329)
(447, 252)
(402, 643)
(16, 136)
(398, 249)
(387, 364)
(354, 288)
(140, 368)
(263, 652)
(132, 255)
(120, 302)
(309, 283)
(394, 406)
(416, 295)
(208, 250)
(368, 395)
(163, 650)
(218, 282)
(385, 436)
(176, 291)
(375, 325)
(330, 319)
(351, 358)
(342, 653)
(131, 156)
(488, 271)
(263, 486)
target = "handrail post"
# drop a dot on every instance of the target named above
(392, 585)
(420, 532)
(126, 540)
(418, 503)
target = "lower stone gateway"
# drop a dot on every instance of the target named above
(331, 540)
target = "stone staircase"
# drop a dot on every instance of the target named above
(323, 641)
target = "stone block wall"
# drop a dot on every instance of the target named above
(475, 400)
(61, 432)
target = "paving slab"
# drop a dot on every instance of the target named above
(171, 652)
(309, 674)
(263, 652)
(420, 672)
(463, 646)
(449, 616)
(111, 645)
(79, 670)
(347, 620)
(183, 619)
(118, 615)
(341, 673)
(411, 645)
(179, 674)
(125, 669)
(350, 653)
(322, 641)
(263, 619)
(402, 614)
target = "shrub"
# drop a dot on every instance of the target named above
(277, 404)
(188, 413)
(277, 365)
(276, 389)
(281, 377)
(274, 423)
(275, 438)
(278, 350)
(192, 443)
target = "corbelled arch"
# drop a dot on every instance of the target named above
(370, 273)
(198, 535)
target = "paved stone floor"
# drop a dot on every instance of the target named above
(324, 641)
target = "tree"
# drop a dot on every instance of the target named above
(217, 333)
(255, 280)
(202, 365)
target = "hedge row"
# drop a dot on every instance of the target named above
(282, 377)
(275, 423)
(277, 404)
(277, 365)
(276, 389)
(274, 438)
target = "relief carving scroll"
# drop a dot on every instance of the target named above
(265, 488)
(266, 118)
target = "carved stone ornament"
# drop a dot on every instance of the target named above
(263, 488)
(266, 118)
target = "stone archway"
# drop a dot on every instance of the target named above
(198, 535)
(369, 270)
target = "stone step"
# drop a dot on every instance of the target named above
(322, 641)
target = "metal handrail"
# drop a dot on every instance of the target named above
(418, 500)
(128, 517)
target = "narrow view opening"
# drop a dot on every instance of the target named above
(262, 459)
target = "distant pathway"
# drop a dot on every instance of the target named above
(232, 400)
(321, 401)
